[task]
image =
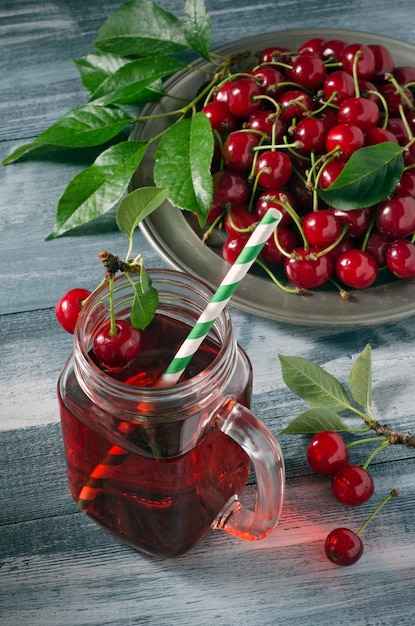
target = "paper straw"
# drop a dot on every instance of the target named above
(221, 297)
(116, 455)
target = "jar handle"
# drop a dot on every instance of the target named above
(236, 421)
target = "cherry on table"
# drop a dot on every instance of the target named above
(352, 484)
(327, 451)
(343, 546)
(68, 308)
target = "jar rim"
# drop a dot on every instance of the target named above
(89, 373)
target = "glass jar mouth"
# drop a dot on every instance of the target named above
(179, 295)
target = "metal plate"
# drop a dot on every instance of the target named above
(176, 238)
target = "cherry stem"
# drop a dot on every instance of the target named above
(296, 291)
(371, 456)
(113, 328)
(354, 72)
(365, 440)
(393, 494)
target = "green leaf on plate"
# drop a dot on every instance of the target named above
(137, 205)
(197, 27)
(182, 163)
(313, 384)
(145, 302)
(370, 175)
(128, 83)
(360, 378)
(141, 28)
(95, 68)
(95, 190)
(313, 421)
(88, 125)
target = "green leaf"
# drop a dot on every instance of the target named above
(313, 384)
(313, 421)
(89, 125)
(141, 28)
(95, 68)
(95, 190)
(187, 172)
(128, 83)
(360, 378)
(197, 27)
(137, 205)
(144, 306)
(370, 175)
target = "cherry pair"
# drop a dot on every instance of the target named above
(115, 344)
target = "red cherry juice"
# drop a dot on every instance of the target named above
(162, 506)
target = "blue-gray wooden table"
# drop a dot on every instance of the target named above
(57, 567)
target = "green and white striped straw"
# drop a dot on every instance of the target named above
(221, 297)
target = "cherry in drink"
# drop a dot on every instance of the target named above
(160, 467)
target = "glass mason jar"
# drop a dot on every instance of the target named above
(160, 467)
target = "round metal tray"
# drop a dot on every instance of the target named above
(174, 234)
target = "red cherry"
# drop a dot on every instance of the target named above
(395, 101)
(307, 270)
(356, 268)
(275, 199)
(243, 97)
(321, 228)
(358, 111)
(294, 103)
(272, 54)
(358, 220)
(233, 246)
(117, 350)
(269, 79)
(366, 64)
(406, 185)
(326, 452)
(395, 217)
(375, 135)
(383, 61)
(220, 117)
(237, 150)
(68, 308)
(287, 240)
(337, 86)
(333, 49)
(238, 219)
(376, 246)
(345, 137)
(312, 45)
(230, 188)
(273, 169)
(311, 132)
(308, 70)
(343, 546)
(400, 258)
(404, 74)
(329, 172)
(352, 485)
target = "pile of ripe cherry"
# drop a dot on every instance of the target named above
(286, 128)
